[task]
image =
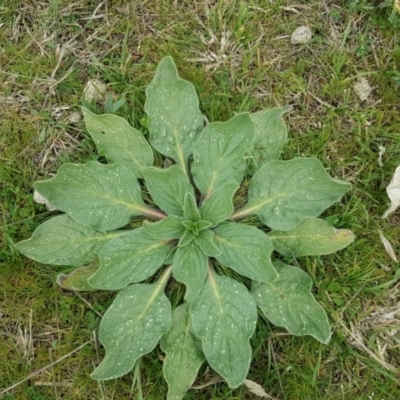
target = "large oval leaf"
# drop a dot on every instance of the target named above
(132, 327)
(312, 237)
(130, 258)
(284, 193)
(104, 197)
(288, 302)
(119, 142)
(270, 135)
(219, 153)
(183, 354)
(63, 241)
(224, 317)
(174, 115)
(246, 250)
(168, 188)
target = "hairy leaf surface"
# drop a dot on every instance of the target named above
(119, 142)
(270, 135)
(312, 237)
(168, 228)
(219, 153)
(168, 188)
(131, 327)
(288, 302)
(127, 259)
(63, 241)
(219, 206)
(190, 268)
(284, 193)
(247, 250)
(175, 119)
(191, 212)
(183, 354)
(103, 197)
(205, 240)
(224, 318)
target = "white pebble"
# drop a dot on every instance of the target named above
(301, 35)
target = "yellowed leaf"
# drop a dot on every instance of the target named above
(342, 233)
(396, 6)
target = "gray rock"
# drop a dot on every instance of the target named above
(301, 35)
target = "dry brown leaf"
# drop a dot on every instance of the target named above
(388, 247)
(256, 389)
(393, 191)
(382, 150)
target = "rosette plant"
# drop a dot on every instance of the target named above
(139, 229)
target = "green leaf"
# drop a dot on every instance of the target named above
(312, 237)
(196, 227)
(191, 212)
(288, 302)
(205, 240)
(190, 268)
(224, 317)
(187, 237)
(219, 153)
(132, 327)
(119, 142)
(174, 116)
(270, 134)
(130, 258)
(202, 225)
(78, 278)
(168, 228)
(219, 206)
(284, 193)
(246, 250)
(170, 257)
(103, 197)
(183, 354)
(188, 225)
(168, 188)
(63, 241)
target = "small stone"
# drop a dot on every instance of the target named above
(301, 35)
(362, 89)
(74, 117)
(94, 90)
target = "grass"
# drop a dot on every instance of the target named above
(238, 56)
